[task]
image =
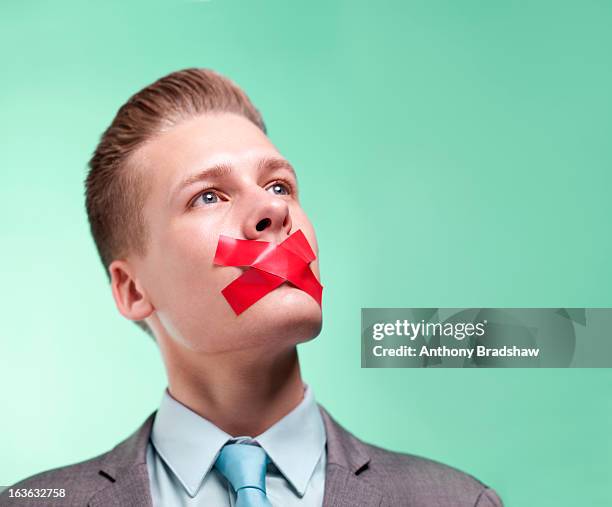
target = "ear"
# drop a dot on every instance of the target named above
(131, 299)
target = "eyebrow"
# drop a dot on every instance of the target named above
(266, 164)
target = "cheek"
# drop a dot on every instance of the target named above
(188, 249)
(183, 271)
(300, 221)
(187, 288)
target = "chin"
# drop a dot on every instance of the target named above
(287, 313)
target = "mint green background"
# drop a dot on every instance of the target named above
(450, 154)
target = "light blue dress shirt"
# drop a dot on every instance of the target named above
(184, 447)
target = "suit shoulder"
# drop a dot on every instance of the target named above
(402, 478)
(426, 481)
(78, 482)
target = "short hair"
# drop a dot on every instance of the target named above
(116, 186)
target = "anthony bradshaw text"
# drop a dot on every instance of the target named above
(444, 351)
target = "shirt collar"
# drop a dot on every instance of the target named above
(296, 442)
(190, 444)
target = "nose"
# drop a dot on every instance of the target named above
(268, 217)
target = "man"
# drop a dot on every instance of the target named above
(183, 187)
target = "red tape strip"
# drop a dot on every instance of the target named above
(270, 266)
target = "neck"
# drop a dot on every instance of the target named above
(243, 392)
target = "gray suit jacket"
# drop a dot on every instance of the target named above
(357, 474)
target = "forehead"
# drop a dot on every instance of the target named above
(201, 141)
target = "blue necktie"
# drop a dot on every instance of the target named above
(244, 466)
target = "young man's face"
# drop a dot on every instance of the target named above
(178, 276)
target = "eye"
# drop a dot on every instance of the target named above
(279, 188)
(207, 197)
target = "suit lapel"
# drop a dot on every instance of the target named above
(131, 488)
(344, 489)
(125, 470)
(347, 457)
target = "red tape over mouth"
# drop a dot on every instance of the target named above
(270, 266)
